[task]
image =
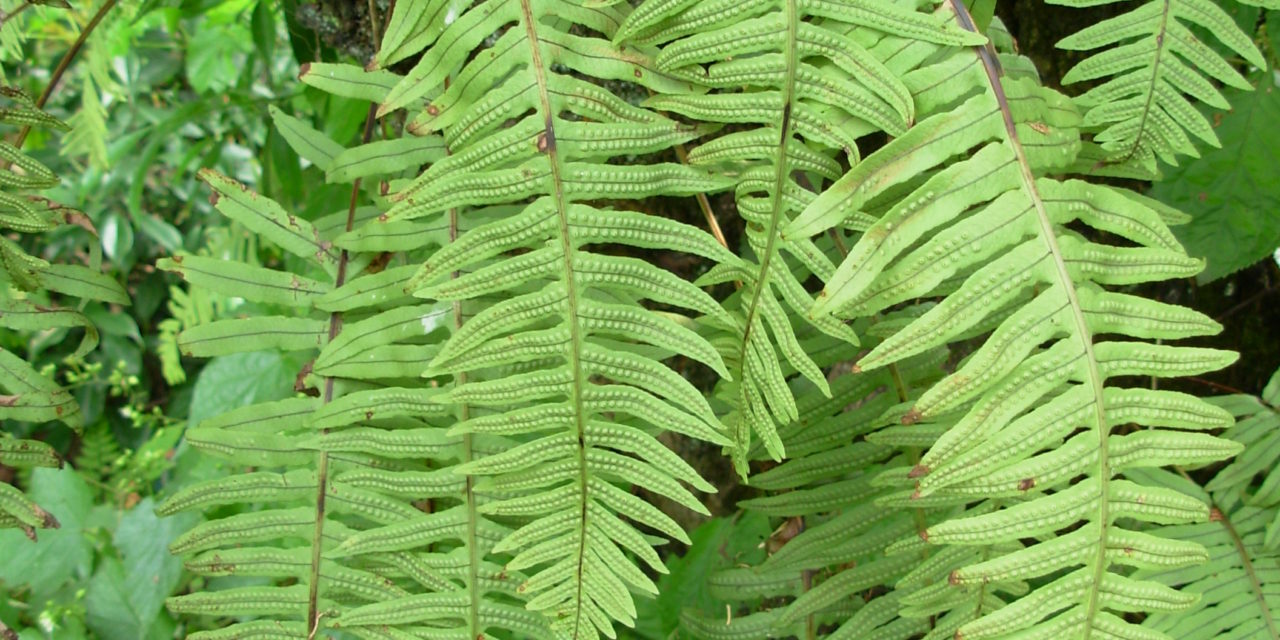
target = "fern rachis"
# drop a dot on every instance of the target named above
(1020, 213)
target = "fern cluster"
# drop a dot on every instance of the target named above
(490, 380)
(38, 296)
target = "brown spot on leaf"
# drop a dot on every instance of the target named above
(918, 471)
(1215, 515)
(1039, 126)
(300, 381)
(789, 529)
(47, 520)
(638, 73)
(542, 142)
(213, 198)
(379, 263)
(1026, 484)
(953, 578)
(304, 70)
(913, 416)
(79, 219)
(433, 110)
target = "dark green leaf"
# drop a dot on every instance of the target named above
(1232, 193)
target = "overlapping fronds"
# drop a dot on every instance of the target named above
(365, 448)
(1239, 587)
(799, 83)
(970, 214)
(483, 410)
(1155, 70)
(38, 296)
(560, 355)
(827, 573)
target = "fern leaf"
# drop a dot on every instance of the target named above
(521, 130)
(1155, 68)
(1242, 538)
(802, 71)
(975, 173)
(39, 296)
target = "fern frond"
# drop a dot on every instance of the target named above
(556, 347)
(827, 572)
(334, 467)
(969, 215)
(809, 90)
(1242, 538)
(37, 296)
(1156, 68)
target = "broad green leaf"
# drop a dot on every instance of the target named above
(1229, 191)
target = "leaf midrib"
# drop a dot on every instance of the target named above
(548, 146)
(779, 183)
(1080, 324)
(1160, 37)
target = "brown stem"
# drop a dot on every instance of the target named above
(373, 22)
(1245, 304)
(322, 465)
(64, 63)
(1219, 386)
(335, 326)
(3, 19)
(704, 204)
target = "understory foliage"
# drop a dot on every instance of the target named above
(39, 296)
(925, 359)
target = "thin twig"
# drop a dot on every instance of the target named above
(704, 203)
(1245, 304)
(22, 7)
(373, 23)
(64, 63)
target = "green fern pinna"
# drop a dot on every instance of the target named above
(925, 360)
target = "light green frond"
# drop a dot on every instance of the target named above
(963, 210)
(1237, 584)
(1154, 65)
(30, 392)
(809, 90)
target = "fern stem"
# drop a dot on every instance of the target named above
(474, 629)
(1095, 380)
(1258, 593)
(1151, 91)
(373, 22)
(322, 465)
(780, 180)
(704, 204)
(64, 64)
(548, 146)
(5, 18)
